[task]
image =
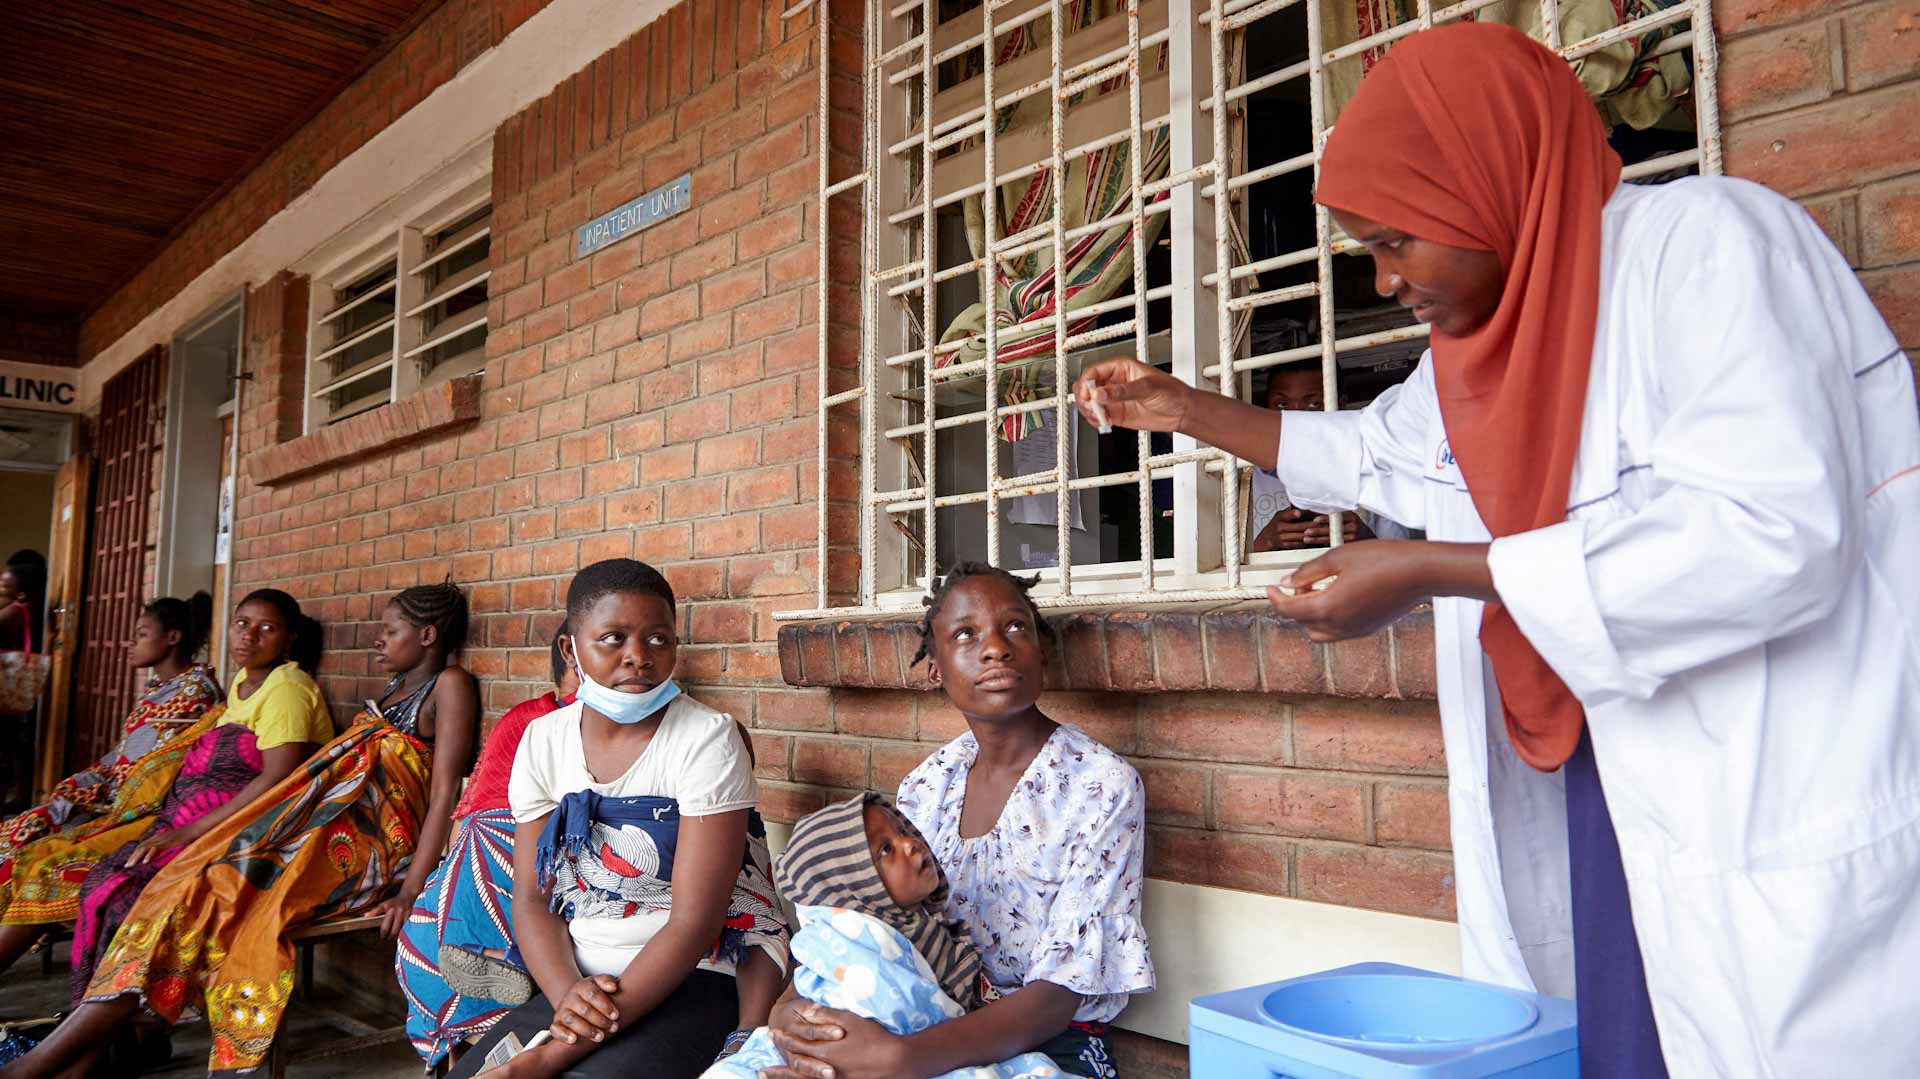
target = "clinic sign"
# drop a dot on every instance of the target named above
(623, 221)
(40, 387)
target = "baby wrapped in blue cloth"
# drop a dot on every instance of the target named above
(872, 940)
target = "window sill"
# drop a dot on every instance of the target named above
(432, 410)
(1243, 648)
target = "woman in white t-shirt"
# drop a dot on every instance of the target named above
(631, 811)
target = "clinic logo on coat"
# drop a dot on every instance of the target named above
(1443, 459)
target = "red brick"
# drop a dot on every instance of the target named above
(702, 338)
(1380, 736)
(1841, 143)
(1768, 72)
(692, 421)
(1296, 804)
(663, 543)
(767, 487)
(671, 386)
(830, 762)
(794, 710)
(608, 476)
(872, 714)
(891, 761)
(786, 803)
(633, 507)
(604, 546)
(1176, 793)
(720, 623)
(770, 755)
(1412, 814)
(765, 403)
(673, 309)
(717, 537)
(1179, 658)
(1397, 881)
(1238, 728)
(696, 498)
(1890, 218)
(1252, 863)
(1897, 293)
(1882, 43)
(774, 231)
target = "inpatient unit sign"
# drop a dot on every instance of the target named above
(622, 221)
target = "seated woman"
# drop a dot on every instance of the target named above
(631, 810)
(336, 838)
(1041, 832)
(167, 638)
(457, 965)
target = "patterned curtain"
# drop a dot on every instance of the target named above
(1098, 267)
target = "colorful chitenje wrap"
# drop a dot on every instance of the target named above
(158, 717)
(467, 903)
(218, 766)
(604, 857)
(40, 883)
(1503, 154)
(210, 933)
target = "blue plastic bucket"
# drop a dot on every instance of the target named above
(1381, 1021)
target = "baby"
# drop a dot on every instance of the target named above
(873, 939)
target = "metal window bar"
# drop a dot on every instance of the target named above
(912, 282)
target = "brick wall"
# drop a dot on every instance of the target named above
(1819, 101)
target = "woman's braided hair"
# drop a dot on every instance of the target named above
(442, 606)
(960, 571)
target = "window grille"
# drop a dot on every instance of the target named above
(404, 313)
(1189, 135)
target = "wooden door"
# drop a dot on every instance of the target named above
(66, 573)
(127, 442)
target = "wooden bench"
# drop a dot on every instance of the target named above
(360, 1034)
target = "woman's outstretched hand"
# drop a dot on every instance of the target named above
(1128, 393)
(1371, 583)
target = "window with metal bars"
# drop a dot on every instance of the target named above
(1045, 183)
(401, 313)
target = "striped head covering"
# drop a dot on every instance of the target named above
(827, 864)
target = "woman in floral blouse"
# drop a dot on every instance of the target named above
(1041, 832)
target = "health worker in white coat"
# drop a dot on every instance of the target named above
(1668, 459)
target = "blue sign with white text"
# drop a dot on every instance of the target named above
(622, 221)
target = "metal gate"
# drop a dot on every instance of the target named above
(127, 445)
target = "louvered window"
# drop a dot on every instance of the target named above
(404, 312)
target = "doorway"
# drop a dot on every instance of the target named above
(32, 447)
(194, 546)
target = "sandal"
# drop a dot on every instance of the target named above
(735, 1042)
(471, 974)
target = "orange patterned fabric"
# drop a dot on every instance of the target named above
(210, 933)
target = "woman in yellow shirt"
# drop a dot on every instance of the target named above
(275, 718)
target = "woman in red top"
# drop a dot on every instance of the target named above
(457, 964)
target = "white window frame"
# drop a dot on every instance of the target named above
(396, 234)
(1208, 565)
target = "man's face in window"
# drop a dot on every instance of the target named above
(1296, 389)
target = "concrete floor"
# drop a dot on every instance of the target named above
(25, 993)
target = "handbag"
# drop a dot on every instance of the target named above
(22, 676)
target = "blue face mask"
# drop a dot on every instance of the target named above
(617, 706)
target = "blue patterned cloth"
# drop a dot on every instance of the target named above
(467, 903)
(857, 963)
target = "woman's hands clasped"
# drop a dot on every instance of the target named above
(587, 1011)
(823, 1043)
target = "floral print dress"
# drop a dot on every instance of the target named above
(1052, 891)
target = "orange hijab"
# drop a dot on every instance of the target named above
(1475, 136)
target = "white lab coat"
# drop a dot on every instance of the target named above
(1735, 598)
